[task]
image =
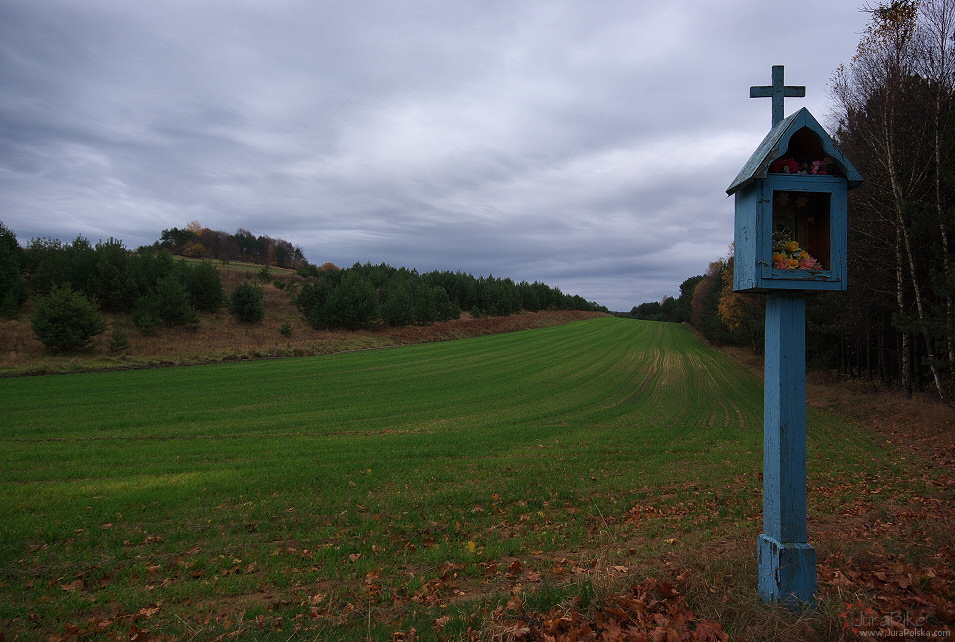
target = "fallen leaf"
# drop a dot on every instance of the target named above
(515, 603)
(100, 624)
(73, 586)
(514, 569)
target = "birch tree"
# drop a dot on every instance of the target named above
(935, 61)
(879, 97)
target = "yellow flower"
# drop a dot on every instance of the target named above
(779, 256)
(792, 246)
(793, 264)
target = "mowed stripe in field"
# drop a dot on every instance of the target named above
(645, 397)
(605, 370)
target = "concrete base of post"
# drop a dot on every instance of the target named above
(787, 573)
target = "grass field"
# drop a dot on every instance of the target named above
(360, 495)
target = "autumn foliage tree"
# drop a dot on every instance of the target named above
(704, 306)
(744, 315)
(201, 242)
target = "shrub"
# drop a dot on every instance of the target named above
(286, 329)
(314, 294)
(205, 287)
(112, 280)
(245, 303)
(66, 320)
(173, 304)
(145, 316)
(118, 340)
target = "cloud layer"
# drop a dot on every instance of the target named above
(585, 145)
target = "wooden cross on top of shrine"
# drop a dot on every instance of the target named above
(777, 91)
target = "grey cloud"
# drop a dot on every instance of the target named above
(583, 145)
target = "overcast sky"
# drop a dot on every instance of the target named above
(586, 144)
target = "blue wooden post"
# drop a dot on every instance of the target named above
(787, 563)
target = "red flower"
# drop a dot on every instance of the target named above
(784, 166)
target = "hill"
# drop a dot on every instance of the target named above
(220, 337)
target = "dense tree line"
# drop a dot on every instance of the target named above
(671, 310)
(201, 242)
(707, 302)
(896, 121)
(366, 295)
(76, 280)
(117, 278)
(491, 296)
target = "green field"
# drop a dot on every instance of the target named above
(358, 494)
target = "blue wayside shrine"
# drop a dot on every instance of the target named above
(790, 240)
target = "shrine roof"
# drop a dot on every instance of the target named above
(776, 144)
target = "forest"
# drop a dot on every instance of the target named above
(894, 104)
